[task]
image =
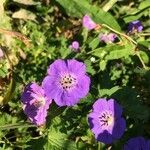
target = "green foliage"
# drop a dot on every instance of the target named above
(59, 141)
(118, 70)
(77, 8)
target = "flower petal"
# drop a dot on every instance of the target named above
(100, 105)
(105, 137)
(76, 67)
(119, 128)
(58, 67)
(115, 108)
(81, 90)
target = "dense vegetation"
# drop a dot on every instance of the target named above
(34, 34)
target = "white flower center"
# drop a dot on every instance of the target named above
(39, 102)
(106, 119)
(68, 81)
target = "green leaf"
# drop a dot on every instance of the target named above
(119, 54)
(94, 43)
(144, 57)
(137, 15)
(10, 91)
(144, 4)
(89, 67)
(102, 65)
(59, 141)
(145, 44)
(78, 9)
(112, 52)
(129, 99)
(109, 92)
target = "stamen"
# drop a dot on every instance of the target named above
(68, 81)
(106, 119)
(39, 102)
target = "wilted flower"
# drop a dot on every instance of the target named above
(88, 23)
(35, 103)
(74, 46)
(135, 26)
(66, 82)
(107, 38)
(1, 53)
(137, 143)
(106, 122)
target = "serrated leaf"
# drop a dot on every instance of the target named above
(112, 52)
(89, 67)
(78, 9)
(119, 54)
(59, 141)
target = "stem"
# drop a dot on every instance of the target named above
(99, 146)
(14, 126)
(122, 34)
(144, 34)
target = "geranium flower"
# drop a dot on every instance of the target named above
(137, 143)
(88, 23)
(35, 103)
(66, 82)
(106, 122)
(74, 46)
(107, 38)
(135, 26)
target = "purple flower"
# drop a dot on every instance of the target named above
(74, 46)
(1, 53)
(105, 120)
(66, 82)
(35, 103)
(107, 38)
(88, 23)
(137, 143)
(135, 26)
